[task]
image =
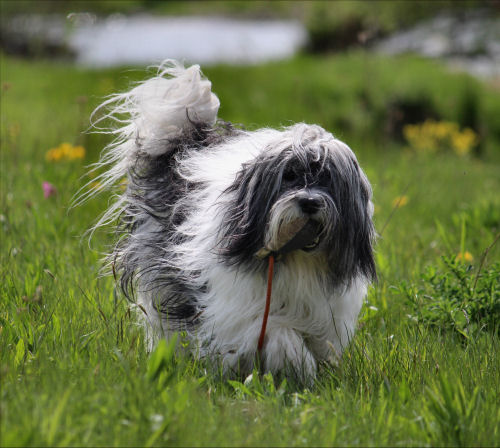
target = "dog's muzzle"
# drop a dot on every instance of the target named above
(297, 223)
(307, 238)
(304, 235)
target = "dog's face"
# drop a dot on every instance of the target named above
(305, 176)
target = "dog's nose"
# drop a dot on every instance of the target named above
(309, 204)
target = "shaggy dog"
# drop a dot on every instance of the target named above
(204, 206)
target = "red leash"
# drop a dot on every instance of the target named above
(304, 235)
(268, 303)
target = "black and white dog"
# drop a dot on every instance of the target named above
(205, 203)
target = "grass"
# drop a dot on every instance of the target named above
(73, 366)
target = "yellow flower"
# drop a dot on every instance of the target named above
(431, 136)
(464, 256)
(400, 201)
(464, 141)
(77, 152)
(53, 154)
(65, 151)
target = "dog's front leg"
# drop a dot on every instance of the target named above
(285, 349)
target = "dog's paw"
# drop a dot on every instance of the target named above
(285, 350)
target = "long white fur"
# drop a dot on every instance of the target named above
(235, 303)
(303, 303)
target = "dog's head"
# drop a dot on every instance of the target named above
(305, 179)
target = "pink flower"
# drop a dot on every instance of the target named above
(48, 189)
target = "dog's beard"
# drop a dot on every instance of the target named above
(287, 218)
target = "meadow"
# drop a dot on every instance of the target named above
(424, 368)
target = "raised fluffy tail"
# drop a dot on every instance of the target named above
(150, 115)
(145, 120)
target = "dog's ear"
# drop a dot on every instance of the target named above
(252, 194)
(351, 248)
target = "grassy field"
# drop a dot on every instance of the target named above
(421, 371)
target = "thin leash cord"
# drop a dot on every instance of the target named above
(268, 303)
